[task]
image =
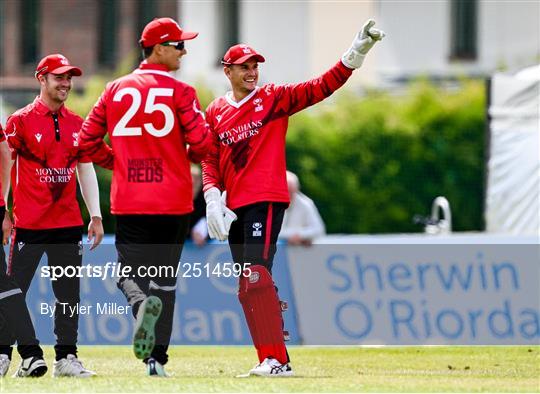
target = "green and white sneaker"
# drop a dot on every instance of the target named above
(154, 368)
(144, 338)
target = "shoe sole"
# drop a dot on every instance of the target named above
(281, 375)
(144, 338)
(249, 374)
(85, 376)
(39, 371)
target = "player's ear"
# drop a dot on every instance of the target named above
(158, 50)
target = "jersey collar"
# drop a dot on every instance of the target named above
(41, 108)
(152, 68)
(230, 99)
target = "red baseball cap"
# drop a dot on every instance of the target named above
(162, 30)
(56, 64)
(240, 53)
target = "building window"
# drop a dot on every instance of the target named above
(464, 26)
(228, 25)
(29, 26)
(146, 11)
(107, 32)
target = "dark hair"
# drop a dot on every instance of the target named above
(147, 51)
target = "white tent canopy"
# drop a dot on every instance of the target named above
(513, 184)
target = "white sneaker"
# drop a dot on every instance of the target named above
(154, 368)
(4, 364)
(71, 366)
(31, 367)
(272, 368)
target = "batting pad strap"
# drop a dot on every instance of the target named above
(155, 286)
(286, 336)
(262, 309)
(9, 293)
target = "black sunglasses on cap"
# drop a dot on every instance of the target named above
(179, 45)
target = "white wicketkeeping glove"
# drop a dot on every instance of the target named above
(229, 215)
(362, 43)
(214, 215)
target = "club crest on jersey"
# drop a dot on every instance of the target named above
(75, 142)
(257, 227)
(254, 277)
(218, 118)
(38, 137)
(258, 104)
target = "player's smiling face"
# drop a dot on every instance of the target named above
(56, 86)
(243, 77)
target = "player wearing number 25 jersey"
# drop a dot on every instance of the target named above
(150, 117)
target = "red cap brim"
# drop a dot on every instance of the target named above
(76, 71)
(188, 35)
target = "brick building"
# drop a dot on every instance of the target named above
(94, 34)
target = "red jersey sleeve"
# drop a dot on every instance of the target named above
(196, 131)
(93, 130)
(76, 152)
(210, 165)
(295, 97)
(14, 135)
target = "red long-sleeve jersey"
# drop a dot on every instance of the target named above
(2, 138)
(150, 117)
(247, 158)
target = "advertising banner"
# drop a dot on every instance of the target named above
(391, 293)
(207, 309)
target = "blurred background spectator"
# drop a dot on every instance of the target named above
(302, 222)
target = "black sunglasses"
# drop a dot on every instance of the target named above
(179, 45)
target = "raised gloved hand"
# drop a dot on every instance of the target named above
(228, 215)
(214, 215)
(362, 43)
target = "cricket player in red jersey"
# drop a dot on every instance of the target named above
(247, 161)
(14, 316)
(150, 117)
(47, 219)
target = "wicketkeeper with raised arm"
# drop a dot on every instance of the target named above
(247, 161)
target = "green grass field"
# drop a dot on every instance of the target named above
(347, 369)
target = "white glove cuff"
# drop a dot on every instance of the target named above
(352, 58)
(212, 195)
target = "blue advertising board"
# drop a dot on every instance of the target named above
(207, 310)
